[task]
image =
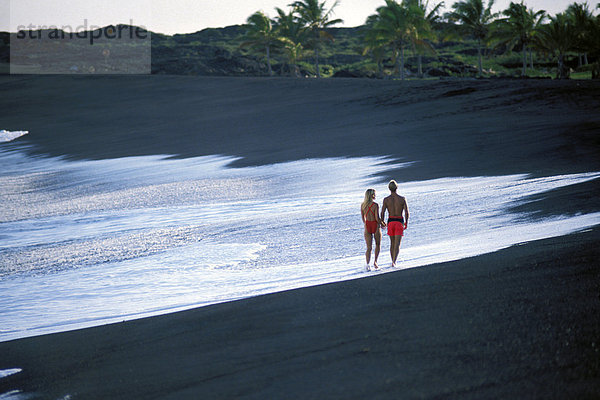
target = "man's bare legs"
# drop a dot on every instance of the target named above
(395, 248)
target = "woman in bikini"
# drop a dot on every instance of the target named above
(369, 211)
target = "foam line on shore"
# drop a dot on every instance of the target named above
(234, 232)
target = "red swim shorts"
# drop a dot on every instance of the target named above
(395, 228)
(371, 226)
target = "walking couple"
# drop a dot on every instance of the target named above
(397, 210)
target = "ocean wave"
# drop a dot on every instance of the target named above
(7, 372)
(8, 136)
(140, 236)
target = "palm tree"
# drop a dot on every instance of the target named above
(476, 18)
(591, 43)
(581, 17)
(293, 34)
(538, 18)
(260, 34)
(518, 28)
(316, 18)
(393, 27)
(374, 44)
(422, 21)
(558, 37)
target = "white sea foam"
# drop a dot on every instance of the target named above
(8, 372)
(17, 395)
(8, 136)
(141, 236)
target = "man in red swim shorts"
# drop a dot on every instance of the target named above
(397, 209)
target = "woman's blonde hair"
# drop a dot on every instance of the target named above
(368, 199)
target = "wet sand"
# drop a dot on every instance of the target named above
(523, 322)
(520, 323)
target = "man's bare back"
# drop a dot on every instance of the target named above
(395, 206)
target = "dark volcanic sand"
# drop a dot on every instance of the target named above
(520, 323)
(448, 127)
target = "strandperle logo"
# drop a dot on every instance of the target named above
(81, 49)
(93, 33)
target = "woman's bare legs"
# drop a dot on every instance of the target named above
(377, 246)
(369, 241)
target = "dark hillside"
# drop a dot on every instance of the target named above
(217, 52)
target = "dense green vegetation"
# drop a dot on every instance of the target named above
(410, 38)
(404, 40)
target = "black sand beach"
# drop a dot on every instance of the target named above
(523, 322)
(447, 127)
(520, 323)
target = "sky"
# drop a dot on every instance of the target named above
(185, 16)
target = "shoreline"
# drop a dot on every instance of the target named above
(447, 128)
(521, 322)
